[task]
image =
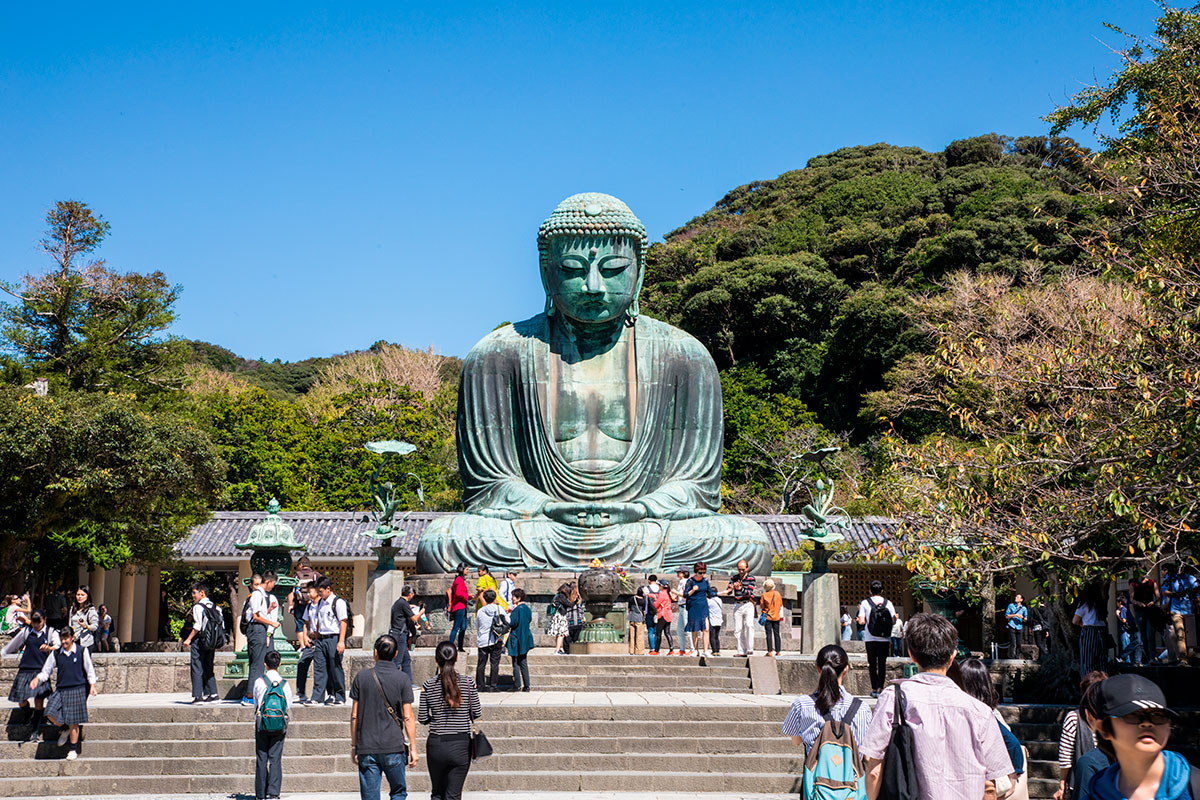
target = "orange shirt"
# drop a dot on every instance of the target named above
(771, 602)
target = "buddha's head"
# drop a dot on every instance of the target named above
(592, 251)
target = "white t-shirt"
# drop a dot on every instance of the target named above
(1088, 615)
(716, 612)
(864, 613)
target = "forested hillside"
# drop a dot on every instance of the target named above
(808, 278)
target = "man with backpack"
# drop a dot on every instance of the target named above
(272, 704)
(260, 618)
(876, 614)
(383, 728)
(944, 744)
(208, 633)
(491, 624)
(326, 625)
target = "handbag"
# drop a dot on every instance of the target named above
(391, 711)
(762, 619)
(480, 747)
(899, 760)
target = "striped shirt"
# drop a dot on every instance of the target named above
(805, 721)
(1066, 740)
(441, 719)
(957, 742)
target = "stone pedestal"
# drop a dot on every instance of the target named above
(822, 612)
(383, 590)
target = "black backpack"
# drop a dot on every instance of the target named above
(900, 760)
(213, 635)
(500, 625)
(244, 619)
(879, 621)
(349, 616)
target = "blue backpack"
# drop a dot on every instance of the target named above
(833, 769)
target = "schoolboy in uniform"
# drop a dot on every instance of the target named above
(263, 622)
(307, 649)
(325, 624)
(67, 706)
(38, 640)
(204, 676)
(268, 747)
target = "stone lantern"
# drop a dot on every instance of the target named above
(271, 544)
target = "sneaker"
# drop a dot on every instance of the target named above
(248, 701)
(34, 735)
(63, 736)
(653, 652)
(72, 755)
(212, 698)
(874, 693)
(302, 699)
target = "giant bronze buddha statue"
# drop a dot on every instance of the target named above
(590, 431)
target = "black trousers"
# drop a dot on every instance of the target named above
(714, 638)
(303, 664)
(1014, 643)
(488, 655)
(204, 678)
(774, 642)
(258, 642)
(521, 672)
(877, 654)
(449, 760)
(268, 764)
(664, 634)
(328, 676)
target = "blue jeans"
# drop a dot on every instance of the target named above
(370, 769)
(681, 626)
(651, 636)
(1131, 647)
(459, 629)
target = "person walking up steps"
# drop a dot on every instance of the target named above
(67, 706)
(449, 705)
(272, 706)
(520, 640)
(745, 610)
(489, 640)
(383, 729)
(208, 633)
(35, 642)
(875, 615)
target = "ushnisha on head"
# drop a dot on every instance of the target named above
(592, 253)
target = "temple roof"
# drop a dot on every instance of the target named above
(337, 534)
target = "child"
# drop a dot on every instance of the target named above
(38, 639)
(716, 618)
(67, 707)
(1134, 726)
(272, 703)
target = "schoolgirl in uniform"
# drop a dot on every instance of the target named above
(36, 640)
(67, 706)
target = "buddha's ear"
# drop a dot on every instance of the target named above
(549, 305)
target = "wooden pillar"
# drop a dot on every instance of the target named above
(96, 581)
(243, 591)
(153, 586)
(125, 605)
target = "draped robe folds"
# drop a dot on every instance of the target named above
(511, 465)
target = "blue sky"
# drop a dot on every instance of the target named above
(322, 176)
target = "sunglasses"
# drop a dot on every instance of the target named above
(1142, 717)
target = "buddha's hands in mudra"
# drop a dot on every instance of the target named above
(594, 515)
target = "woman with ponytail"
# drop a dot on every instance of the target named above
(449, 704)
(807, 714)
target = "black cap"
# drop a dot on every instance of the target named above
(1127, 694)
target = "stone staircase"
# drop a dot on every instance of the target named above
(632, 673)
(548, 741)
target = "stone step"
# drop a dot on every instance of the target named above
(296, 747)
(550, 707)
(481, 778)
(502, 761)
(634, 683)
(554, 729)
(561, 669)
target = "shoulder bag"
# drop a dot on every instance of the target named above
(391, 711)
(899, 760)
(480, 746)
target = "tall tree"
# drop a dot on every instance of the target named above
(88, 327)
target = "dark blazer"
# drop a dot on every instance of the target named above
(520, 638)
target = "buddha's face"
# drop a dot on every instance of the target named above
(592, 280)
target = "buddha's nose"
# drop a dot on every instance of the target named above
(595, 283)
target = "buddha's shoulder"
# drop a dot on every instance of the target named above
(669, 336)
(508, 340)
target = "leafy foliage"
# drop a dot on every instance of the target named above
(810, 276)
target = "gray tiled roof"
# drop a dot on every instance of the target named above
(338, 534)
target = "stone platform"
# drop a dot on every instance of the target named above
(540, 588)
